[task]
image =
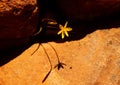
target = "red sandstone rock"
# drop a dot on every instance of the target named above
(18, 21)
(93, 60)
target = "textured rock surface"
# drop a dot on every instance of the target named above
(93, 60)
(18, 21)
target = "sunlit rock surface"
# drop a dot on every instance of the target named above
(92, 60)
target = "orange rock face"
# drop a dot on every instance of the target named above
(18, 21)
(93, 60)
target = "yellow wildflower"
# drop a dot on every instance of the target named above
(64, 30)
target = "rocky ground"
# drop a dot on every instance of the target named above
(91, 53)
(92, 60)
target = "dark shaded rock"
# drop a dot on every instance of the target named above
(19, 18)
(18, 21)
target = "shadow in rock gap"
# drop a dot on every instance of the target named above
(80, 30)
(50, 9)
(10, 53)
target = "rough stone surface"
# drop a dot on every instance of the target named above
(18, 21)
(93, 60)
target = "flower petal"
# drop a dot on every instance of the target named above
(61, 27)
(69, 29)
(59, 32)
(63, 35)
(66, 33)
(65, 25)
